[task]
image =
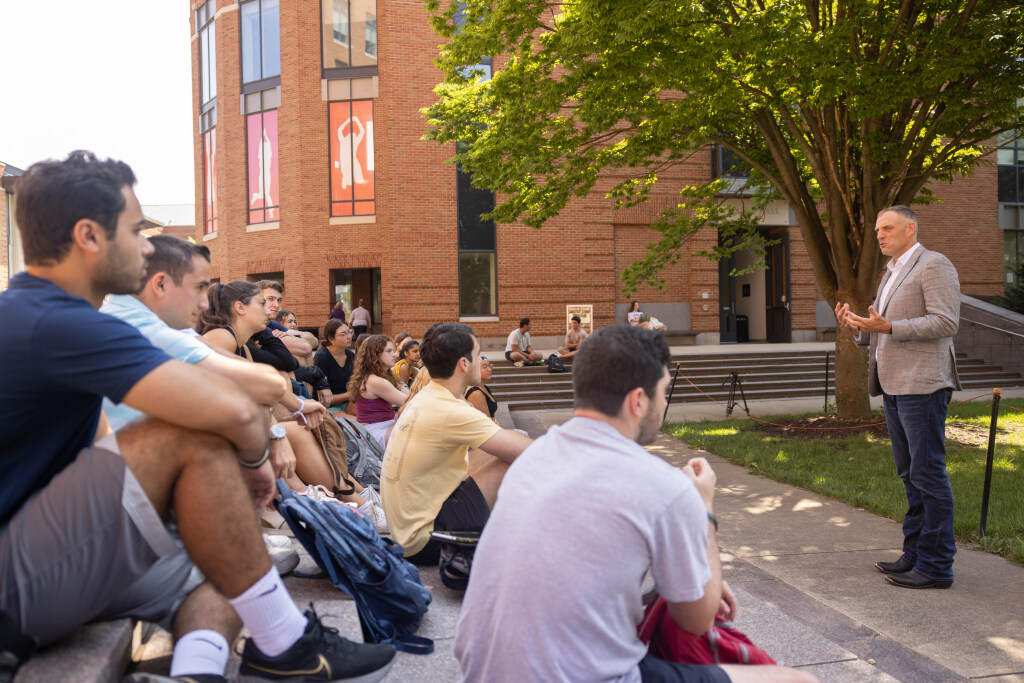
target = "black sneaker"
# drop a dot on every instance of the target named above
(319, 655)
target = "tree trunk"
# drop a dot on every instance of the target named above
(852, 401)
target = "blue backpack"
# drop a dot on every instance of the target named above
(386, 588)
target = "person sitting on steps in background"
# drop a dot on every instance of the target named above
(518, 349)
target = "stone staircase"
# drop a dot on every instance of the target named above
(763, 375)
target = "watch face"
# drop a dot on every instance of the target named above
(277, 432)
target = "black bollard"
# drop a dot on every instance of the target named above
(825, 409)
(671, 392)
(988, 463)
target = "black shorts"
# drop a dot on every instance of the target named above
(464, 510)
(654, 670)
(508, 355)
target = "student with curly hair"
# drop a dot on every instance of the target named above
(374, 387)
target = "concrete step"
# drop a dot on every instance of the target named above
(96, 653)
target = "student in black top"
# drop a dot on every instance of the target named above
(76, 497)
(480, 395)
(336, 360)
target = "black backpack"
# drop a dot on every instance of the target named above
(555, 364)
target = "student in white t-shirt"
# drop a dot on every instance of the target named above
(555, 593)
(517, 348)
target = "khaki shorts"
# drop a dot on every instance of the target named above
(90, 547)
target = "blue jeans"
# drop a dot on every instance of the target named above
(917, 429)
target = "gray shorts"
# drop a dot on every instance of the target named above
(90, 547)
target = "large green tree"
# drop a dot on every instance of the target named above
(841, 108)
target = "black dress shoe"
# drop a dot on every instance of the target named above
(900, 566)
(915, 580)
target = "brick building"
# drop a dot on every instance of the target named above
(11, 260)
(310, 168)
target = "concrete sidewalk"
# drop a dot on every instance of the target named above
(811, 558)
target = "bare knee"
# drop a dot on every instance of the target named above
(767, 674)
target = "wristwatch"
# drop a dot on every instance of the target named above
(277, 432)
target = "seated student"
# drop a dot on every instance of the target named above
(336, 359)
(401, 337)
(518, 349)
(408, 364)
(300, 344)
(235, 311)
(479, 395)
(427, 482)
(81, 531)
(554, 505)
(375, 389)
(287, 318)
(573, 338)
(178, 275)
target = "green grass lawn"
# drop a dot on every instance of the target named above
(859, 469)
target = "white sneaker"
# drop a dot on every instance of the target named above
(319, 493)
(370, 493)
(285, 559)
(374, 511)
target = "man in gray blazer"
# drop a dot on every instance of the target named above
(909, 333)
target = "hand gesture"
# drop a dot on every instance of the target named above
(282, 458)
(842, 315)
(728, 606)
(261, 484)
(703, 478)
(313, 413)
(873, 323)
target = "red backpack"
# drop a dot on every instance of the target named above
(723, 644)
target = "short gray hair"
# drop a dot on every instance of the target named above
(904, 212)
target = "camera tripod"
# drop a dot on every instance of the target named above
(736, 383)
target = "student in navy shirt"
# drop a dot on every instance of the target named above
(82, 511)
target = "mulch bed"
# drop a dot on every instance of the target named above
(822, 427)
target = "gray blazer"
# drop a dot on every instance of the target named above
(924, 309)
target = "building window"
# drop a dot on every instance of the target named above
(207, 51)
(349, 38)
(264, 194)
(210, 181)
(261, 40)
(1010, 164)
(370, 48)
(353, 190)
(478, 288)
(341, 22)
(725, 163)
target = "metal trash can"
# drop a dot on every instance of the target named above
(742, 329)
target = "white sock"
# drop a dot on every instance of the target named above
(200, 652)
(269, 613)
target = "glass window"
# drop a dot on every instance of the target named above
(370, 48)
(207, 52)
(475, 233)
(261, 40)
(341, 22)
(350, 125)
(210, 181)
(349, 36)
(477, 284)
(264, 193)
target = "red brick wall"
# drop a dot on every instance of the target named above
(4, 266)
(576, 258)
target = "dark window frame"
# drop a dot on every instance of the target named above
(330, 178)
(721, 168)
(460, 251)
(248, 210)
(362, 71)
(264, 81)
(204, 16)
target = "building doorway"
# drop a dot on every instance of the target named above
(755, 306)
(350, 285)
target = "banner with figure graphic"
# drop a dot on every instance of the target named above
(352, 177)
(262, 160)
